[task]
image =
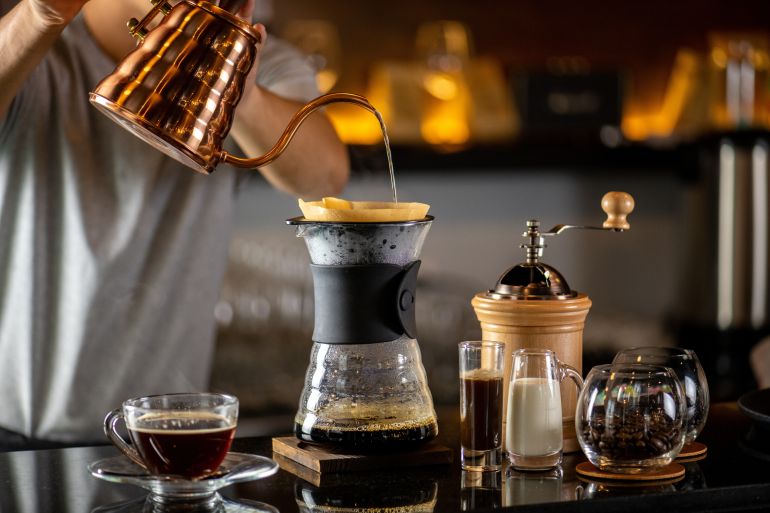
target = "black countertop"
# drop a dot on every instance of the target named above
(735, 476)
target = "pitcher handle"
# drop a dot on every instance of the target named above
(110, 422)
(569, 371)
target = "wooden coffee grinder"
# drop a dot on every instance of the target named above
(533, 307)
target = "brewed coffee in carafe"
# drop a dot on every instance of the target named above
(365, 387)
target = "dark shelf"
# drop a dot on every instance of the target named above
(571, 153)
(525, 155)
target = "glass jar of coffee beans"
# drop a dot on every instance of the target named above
(630, 418)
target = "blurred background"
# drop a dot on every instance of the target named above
(499, 112)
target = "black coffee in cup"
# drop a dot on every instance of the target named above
(189, 444)
(186, 435)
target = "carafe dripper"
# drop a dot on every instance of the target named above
(532, 306)
(365, 386)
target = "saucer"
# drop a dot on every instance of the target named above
(220, 505)
(236, 468)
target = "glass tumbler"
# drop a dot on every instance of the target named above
(687, 367)
(630, 418)
(481, 405)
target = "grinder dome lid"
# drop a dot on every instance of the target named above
(532, 281)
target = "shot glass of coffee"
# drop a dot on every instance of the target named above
(481, 408)
(185, 435)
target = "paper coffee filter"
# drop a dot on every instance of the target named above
(336, 210)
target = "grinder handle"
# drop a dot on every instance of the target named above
(617, 205)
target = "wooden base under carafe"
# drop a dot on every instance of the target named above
(543, 324)
(310, 461)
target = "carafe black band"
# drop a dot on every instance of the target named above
(364, 304)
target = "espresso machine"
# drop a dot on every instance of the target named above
(365, 386)
(532, 306)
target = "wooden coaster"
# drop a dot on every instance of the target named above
(325, 459)
(692, 451)
(670, 471)
(606, 483)
(301, 471)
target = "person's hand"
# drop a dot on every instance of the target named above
(57, 12)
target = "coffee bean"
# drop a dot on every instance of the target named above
(632, 435)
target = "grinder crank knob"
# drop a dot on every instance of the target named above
(617, 205)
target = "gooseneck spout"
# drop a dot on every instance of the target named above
(292, 127)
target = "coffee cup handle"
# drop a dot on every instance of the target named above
(569, 371)
(110, 423)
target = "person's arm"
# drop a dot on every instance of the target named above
(26, 33)
(314, 164)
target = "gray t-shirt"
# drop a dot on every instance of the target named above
(111, 254)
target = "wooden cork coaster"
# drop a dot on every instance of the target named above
(692, 452)
(670, 471)
(631, 484)
(325, 459)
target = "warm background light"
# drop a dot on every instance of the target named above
(355, 125)
(673, 67)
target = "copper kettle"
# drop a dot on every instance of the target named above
(177, 90)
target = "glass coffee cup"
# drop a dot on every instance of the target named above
(183, 435)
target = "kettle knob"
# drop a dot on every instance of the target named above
(135, 29)
(617, 205)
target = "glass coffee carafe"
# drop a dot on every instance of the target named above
(365, 386)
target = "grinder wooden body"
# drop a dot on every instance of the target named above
(544, 324)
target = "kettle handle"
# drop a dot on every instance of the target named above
(291, 129)
(138, 29)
